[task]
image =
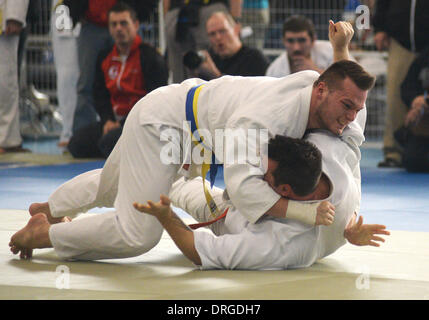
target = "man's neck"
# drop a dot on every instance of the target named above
(233, 54)
(312, 122)
(124, 49)
(322, 191)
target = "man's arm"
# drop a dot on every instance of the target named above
(182, 236)
(14, 14)
(361, 234)
(235, 9)
(101, 94)
(340, 35)
(412, 91)
(319, 213)
(154, 68)
(166, 5)
(244, 250)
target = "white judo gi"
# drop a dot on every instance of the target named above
(273, 243)
(134, 172)
(322, 55)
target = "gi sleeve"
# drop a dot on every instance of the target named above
(16, 10)
(246, 250)
(249, 193)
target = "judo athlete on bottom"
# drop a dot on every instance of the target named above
(272, 243)
(334, 100)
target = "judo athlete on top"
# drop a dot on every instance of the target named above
(134, 173)
(273, 243)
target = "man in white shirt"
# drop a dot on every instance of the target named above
(136, 170)
(303, 50)
(273, 244)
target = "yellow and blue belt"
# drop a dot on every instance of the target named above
(192, 118)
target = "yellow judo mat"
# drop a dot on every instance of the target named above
(399, 269)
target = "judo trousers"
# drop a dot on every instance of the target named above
(132, 173)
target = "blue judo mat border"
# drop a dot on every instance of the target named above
(391, 197)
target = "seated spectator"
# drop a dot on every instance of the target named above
(303, 51)
(227, 55)
(414, 135)
(124, 74)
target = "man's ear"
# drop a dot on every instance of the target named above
(137, 24)
(285, 190)
(237, 29)
(321, 89)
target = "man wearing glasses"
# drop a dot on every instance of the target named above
(227, 55)
(303, 51)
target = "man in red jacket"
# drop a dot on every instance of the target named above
(124, 74)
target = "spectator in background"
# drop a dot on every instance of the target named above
(303, 51)
(414, 136)
(64, 45)
(94, 37)
(256, 14)
(402, 27)
(185, 28)
(124, 73)
(12, 20)
(227, 55)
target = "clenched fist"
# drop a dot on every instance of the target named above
(325, 213)
(340, 34)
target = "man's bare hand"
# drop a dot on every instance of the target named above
(13, 27)
(110, 125)
(325, 213)
(418, 107)
(381, 40)
(159, 209)
(209, 65)
(300, 63)
(361, 234)
(340, 34)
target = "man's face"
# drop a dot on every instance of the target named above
(268, 176)
(298, 43)
(122, 28)
(223, 37)
(340, 106)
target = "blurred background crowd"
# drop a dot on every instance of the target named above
(82, 64)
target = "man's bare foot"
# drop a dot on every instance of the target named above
(43, 207)
(35, 235)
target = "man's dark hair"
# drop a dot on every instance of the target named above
(121, 7)
(298, 24)
(342, 69)
(299, 163)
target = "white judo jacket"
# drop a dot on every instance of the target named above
(274, 243)
(280, 105)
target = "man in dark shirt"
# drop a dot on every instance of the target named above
(414, 135)
(227, 55)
